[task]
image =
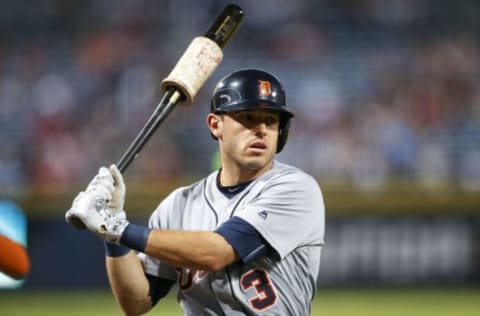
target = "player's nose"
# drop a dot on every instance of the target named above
(260, 127)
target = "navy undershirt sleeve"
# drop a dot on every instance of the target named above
(159, 287)
(244, 238)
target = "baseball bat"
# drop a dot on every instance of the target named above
(180, 87)
(177, 88)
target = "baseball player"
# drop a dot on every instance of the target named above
(245, 240)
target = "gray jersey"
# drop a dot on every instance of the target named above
(286, 207)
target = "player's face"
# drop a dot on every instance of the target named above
(248, 139)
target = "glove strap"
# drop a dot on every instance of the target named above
(135, 237)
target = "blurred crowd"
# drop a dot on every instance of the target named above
(383, 91)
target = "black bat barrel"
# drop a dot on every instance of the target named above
(226, 24)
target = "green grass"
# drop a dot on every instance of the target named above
(71, 303)
(337, 302)
(396, 302)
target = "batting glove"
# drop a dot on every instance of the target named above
(100, 207)
(109, 185)
(117, 200)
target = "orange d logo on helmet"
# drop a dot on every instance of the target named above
(265, 88)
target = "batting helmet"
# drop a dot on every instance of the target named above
(249, 89)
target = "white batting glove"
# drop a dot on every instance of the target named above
(109, 185)
(117, 200)
(100, 207)
(113, 226)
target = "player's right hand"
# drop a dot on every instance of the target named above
(84, 213)
(92, 212)
(100, 207)
(107, 188)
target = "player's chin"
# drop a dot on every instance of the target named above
(257, 161)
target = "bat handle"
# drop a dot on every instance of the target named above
(166, 105)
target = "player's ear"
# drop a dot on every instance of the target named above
(214, 124)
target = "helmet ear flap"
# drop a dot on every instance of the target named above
(283, 133)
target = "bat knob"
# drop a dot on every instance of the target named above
(77, 223)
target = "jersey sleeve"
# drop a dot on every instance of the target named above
(289, 212)
(244, 238)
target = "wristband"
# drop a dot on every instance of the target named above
(135, 237)
(113, 250)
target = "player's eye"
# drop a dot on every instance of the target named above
(245, 118)
(251, 119)
(248, 118)
(270, 119)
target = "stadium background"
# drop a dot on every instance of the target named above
(387, 119)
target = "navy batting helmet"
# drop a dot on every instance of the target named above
(249, 89)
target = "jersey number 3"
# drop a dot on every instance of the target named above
(260, 281)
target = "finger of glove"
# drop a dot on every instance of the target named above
(78, 197)
(103, 176)
(118, 196)
(81, 206)
(102, 184)
(117, 177)
(94, 220)
(100, 190)
(115, 204)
